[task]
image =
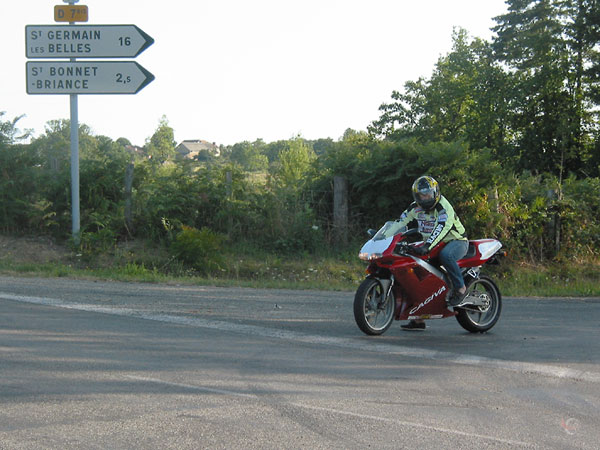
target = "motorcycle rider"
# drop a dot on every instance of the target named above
(437, 222)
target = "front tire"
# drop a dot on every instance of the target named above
(373, 313)
(484, 320)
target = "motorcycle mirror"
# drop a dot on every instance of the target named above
(371, 232)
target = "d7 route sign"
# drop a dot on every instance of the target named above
(85, 41)
(70, 13)
(89, 77)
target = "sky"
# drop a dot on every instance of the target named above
(228, 71)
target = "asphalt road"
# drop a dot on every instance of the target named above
(91, 365)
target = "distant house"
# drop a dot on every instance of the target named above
(196, 149)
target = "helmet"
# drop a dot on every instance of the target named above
(426, 192)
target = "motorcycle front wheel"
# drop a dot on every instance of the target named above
(373, 313)
(481, 319)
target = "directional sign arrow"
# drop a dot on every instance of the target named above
(85, 41)
(89, 77)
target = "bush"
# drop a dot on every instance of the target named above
(200, 249)
(95, 242)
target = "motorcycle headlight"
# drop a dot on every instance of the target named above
(365, 256)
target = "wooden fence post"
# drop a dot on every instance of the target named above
(128, 197)
(229, 188)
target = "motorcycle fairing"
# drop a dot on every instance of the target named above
(375, 248)
(480, 250)
(427, 298)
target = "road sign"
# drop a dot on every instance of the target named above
(89, 77)
(85, 41)
(70, 13)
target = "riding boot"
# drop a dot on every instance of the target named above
(413, 325)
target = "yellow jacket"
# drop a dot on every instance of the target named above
(441, 224)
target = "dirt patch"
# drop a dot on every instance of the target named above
(33, 250)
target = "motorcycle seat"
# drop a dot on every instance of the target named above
(472, 251)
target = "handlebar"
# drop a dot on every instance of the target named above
(402, 248)
(405, 249)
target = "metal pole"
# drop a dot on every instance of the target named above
(75, 220)
(75, 168)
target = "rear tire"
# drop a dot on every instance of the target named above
(481, 321)
(373, 314)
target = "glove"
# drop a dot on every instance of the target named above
(419, 251)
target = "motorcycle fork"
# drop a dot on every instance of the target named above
(386, 288)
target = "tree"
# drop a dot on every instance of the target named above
(250, 155)
(294, 164)
(9, 133)
(161, 146)
(462, 100)
(322, 146)
(290, 216)
(123, 142)
(584, 36)
(547, 45)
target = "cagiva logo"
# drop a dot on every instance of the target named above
(427, 300)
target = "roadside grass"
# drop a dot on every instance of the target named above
(250, 267)
(247, 272)
(572, 279)
(244, 267)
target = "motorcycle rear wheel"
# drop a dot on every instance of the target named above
(481, 321)
(373, 314)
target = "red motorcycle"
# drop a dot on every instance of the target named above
(402, 286)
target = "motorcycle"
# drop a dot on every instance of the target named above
(402, 286)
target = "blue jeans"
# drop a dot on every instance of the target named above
(452, 252)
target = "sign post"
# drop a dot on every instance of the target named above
(75, 218)
(75, 77)
(74, 123)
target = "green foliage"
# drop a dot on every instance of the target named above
(579, 210)
(463, 100)
(290, 218)
(9, 133)
(295, 161)
(289, 210)
(167, 194)
(530, 95)
(137, 270)
(510, 129)
(97, 241)
(161, 146)
(22, 203)
(250, 155)
(549, 117)
(200, 249)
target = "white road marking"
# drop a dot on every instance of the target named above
(348, 343)
(341, 412)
